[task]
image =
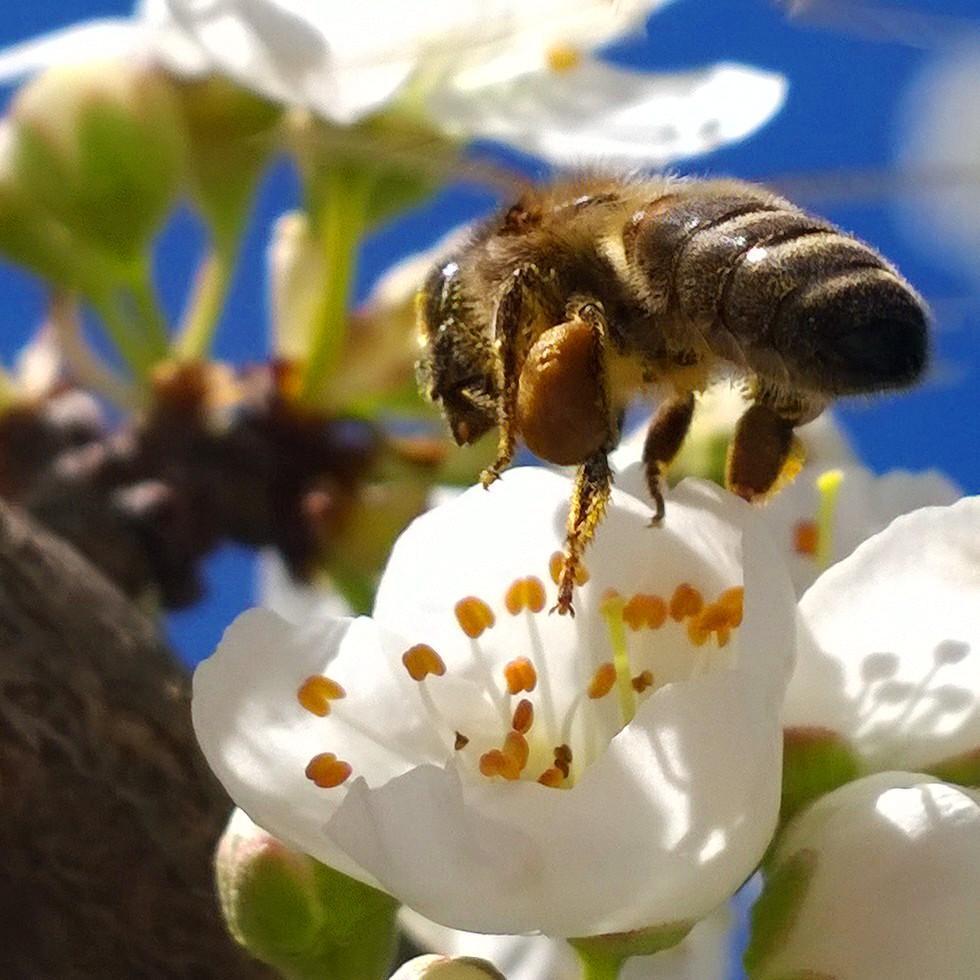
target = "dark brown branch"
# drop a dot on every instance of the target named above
(108, 815)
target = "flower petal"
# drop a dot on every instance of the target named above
(599, 111)
(85, 42)
(891, 640)
(664, 827)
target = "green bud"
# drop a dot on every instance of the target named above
(101, 148)
(299, 916)
(815, 761)
(230, 134)
(434, 967)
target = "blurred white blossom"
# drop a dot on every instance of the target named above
(880, 878)
(520, 72)
(506, 771)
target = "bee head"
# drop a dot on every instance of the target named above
(458, 366)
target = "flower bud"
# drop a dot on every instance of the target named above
(230, 133)
(296, 914)
(878, 879)
(296, 282)
(433, 967)
(101, 148)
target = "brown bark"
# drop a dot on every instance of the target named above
(108, 814)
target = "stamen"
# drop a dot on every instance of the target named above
(421, 660)
(474, 616)
(806, 538)
(828, 484)
(552, 778)
(563, 759)
(523, 716)
(686, 601)
(520, 675)
(556, 565)
(733, 600)
(563, 58)
(645, 610)
(611, 608)
(525, 593)
(516, 749)
(697, 634)
(316, 693)
(327, 771)
(602, 681)
(507, 762)
(642, 681)
(461, 742)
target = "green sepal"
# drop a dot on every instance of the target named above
(815, 761)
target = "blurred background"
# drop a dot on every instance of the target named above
(862, 80)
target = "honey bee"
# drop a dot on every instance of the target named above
(561, 308)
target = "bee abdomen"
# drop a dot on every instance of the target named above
(839, 317)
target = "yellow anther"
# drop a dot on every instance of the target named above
(525, 593)
(460, 742)
(686, 601)
(421, 660)
(498, 763)
(474, 616)
(642, 681)
(563, 58)
(563, 759)
(515, 748)
(523, 717)
(520, 675)
(316, 693)
(645, 610)
(556, 565)
(806, 538)
(327, 771)
(722, 635)
(828, 485)
(602, 681)
(713, 617)
(696, 633)
(552, 778)
(733, 600)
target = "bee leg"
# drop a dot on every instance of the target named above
(664, 439)
(511, 331)
(764, 452)
(593, 485)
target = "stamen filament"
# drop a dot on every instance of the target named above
(828, 485)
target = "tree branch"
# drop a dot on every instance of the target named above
(108, 815)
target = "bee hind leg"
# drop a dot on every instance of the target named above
(666, 435)
(593, 486)
(764, 454)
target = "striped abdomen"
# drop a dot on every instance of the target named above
(787, 295)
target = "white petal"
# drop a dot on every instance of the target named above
(258, 739)
(889, 655)
(702, 955)
(92, 40)
(865, 504)
(601, 112)
(894, 884)
(664, 827)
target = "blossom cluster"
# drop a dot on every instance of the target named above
(504, 771)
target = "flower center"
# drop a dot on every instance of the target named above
(548, 728)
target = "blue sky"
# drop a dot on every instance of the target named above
(844, 98)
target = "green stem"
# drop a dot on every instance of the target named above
(340, 225)
(146, 307)
(196, 334)
(125, 338)
(596, 966)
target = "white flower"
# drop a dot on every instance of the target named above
(879, 879)
(503, 69)
(701, 955)
(574, 806)
(890, 644)
(828, 511)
